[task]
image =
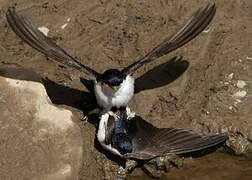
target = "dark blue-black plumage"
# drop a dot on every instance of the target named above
(120, 138)
(112, 77)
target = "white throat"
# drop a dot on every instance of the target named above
(120, 98)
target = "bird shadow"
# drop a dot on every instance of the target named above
(64, 95)
(58, 94)
(162, 74)
(86, 101)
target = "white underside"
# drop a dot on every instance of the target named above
(101, 133)
(118, 99)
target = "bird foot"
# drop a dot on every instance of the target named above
(84, 118)
(130, 114)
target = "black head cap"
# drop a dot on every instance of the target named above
(112, 77)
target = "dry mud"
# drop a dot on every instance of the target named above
(209, 90)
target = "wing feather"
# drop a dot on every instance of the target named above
(150, 142)
(36, 39)
(194, 26)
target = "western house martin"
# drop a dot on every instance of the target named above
(113, 87)
(138, 140)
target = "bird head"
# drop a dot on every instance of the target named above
(111, 80)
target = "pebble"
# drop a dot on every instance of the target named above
(64, 26)
(44, 30)
(241, 84)
(240, 94)
(230, 76)
(249, 58)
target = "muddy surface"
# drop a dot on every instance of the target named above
(208, 90)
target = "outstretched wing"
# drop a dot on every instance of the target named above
(150, 142)
(194, 26)
(36, 39)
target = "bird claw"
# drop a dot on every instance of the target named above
(130, 114)
(84, 118)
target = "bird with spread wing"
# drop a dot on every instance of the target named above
(113, 87)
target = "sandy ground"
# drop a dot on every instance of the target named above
(197, 92)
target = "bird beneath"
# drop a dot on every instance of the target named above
(139, 140)
(113, 88)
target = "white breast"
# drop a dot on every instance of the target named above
(120, 98)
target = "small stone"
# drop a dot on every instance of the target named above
(224, 130)
(121, 174)
(238, 143)
(240, 94)
(230, 76)
(249, 58)
(241, 84)
(206, 30)
(44, 30)
(237, 101)
(64, 26)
